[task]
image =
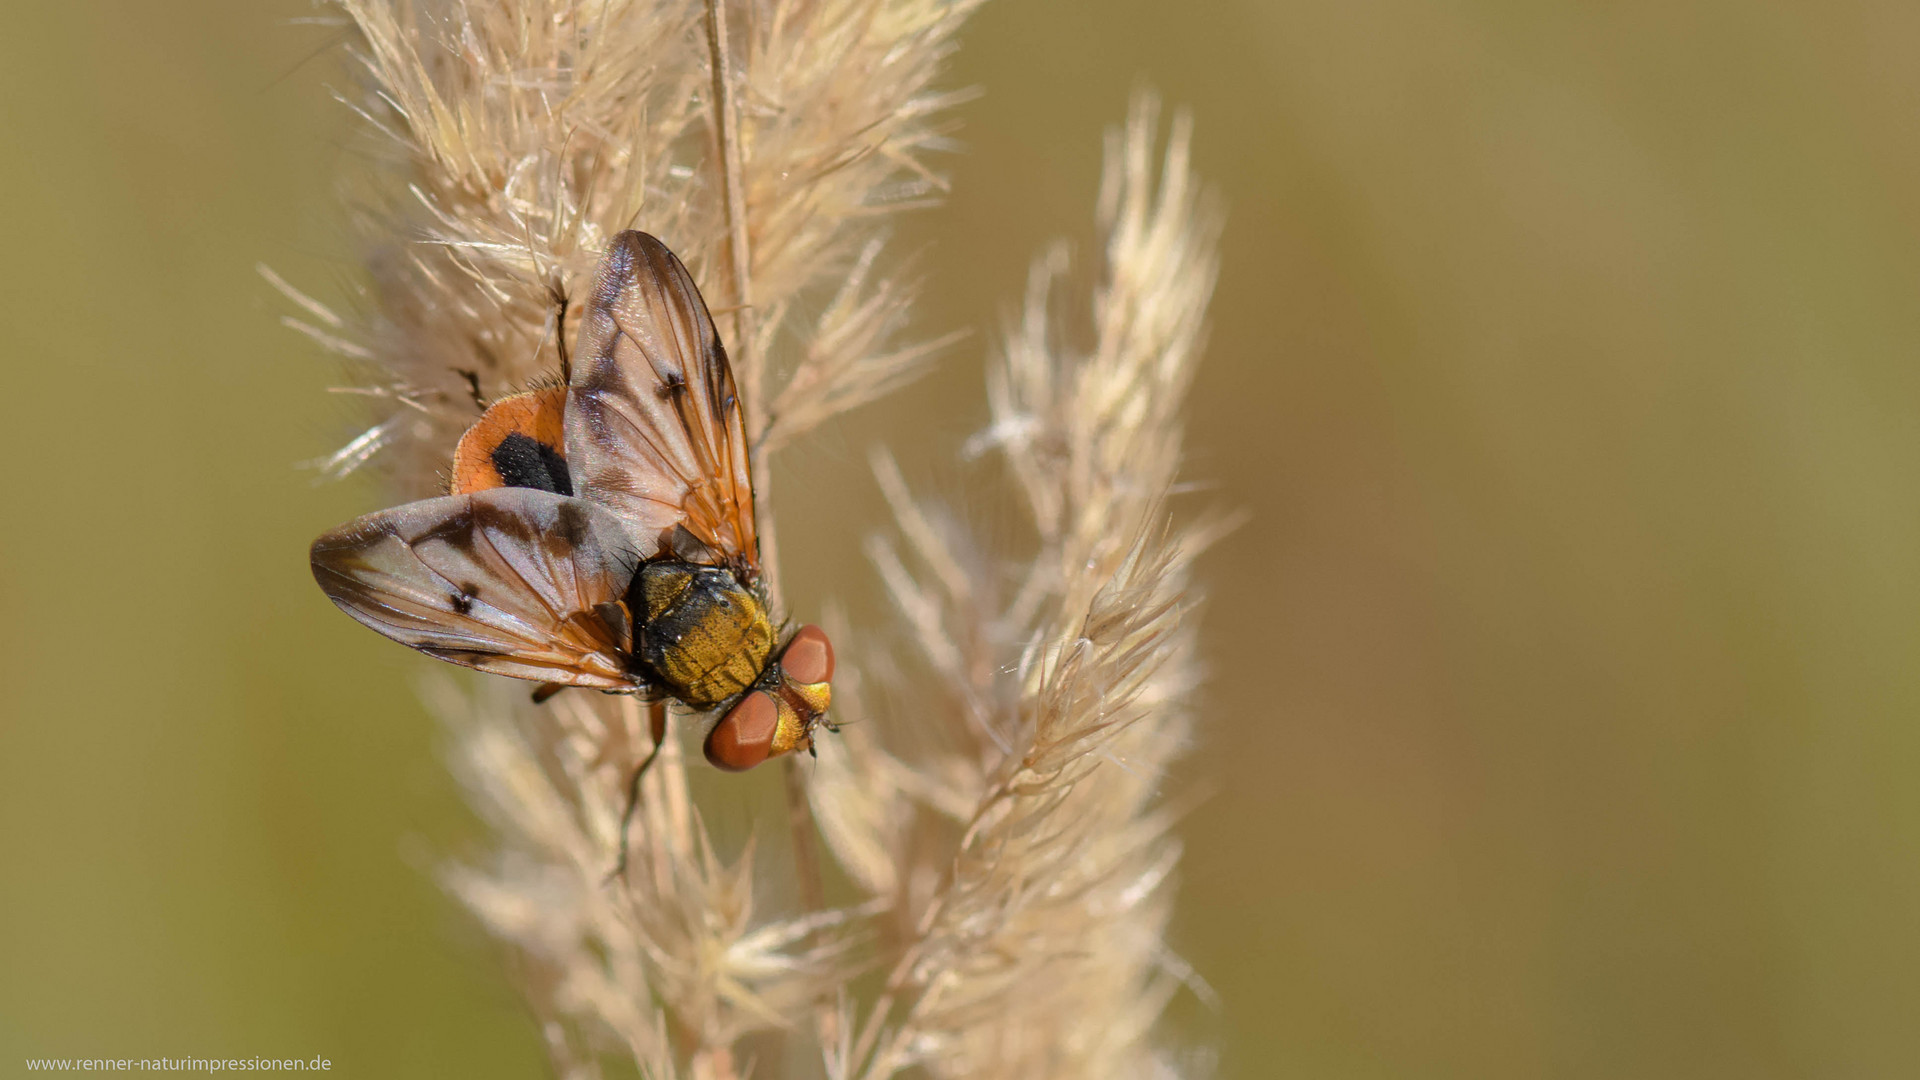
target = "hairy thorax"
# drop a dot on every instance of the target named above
(701, 633)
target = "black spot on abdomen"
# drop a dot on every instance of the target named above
(523, 461)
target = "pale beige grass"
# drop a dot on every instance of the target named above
(1007, 849)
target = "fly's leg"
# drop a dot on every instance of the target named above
(657, 724)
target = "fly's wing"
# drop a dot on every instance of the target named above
(510, 580)
(654, 431)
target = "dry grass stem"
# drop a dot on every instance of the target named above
(1016, 826)
(1006, 848)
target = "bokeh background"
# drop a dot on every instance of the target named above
(1563, 719)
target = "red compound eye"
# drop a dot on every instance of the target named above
(742, 737)
(809, 656)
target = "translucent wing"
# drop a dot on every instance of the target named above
(654, 430)
(511, 580)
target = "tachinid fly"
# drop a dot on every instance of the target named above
(601, 534)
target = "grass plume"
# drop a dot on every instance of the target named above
(1016, 831)
(1007, 859)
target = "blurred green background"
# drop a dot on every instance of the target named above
(1563, 719)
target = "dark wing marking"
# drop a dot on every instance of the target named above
(654, 430)
(510, 580)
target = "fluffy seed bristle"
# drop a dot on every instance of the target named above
(1034, 933)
